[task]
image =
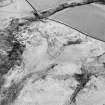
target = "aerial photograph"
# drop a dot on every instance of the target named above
(52, 52)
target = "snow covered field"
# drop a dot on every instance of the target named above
(48, 63)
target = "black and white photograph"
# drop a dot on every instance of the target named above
(52, 52)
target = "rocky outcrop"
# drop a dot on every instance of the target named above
(45, 59)
(47, 63)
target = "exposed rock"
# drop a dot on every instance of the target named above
(47, 63)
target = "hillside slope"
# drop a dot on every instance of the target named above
(48, 63)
